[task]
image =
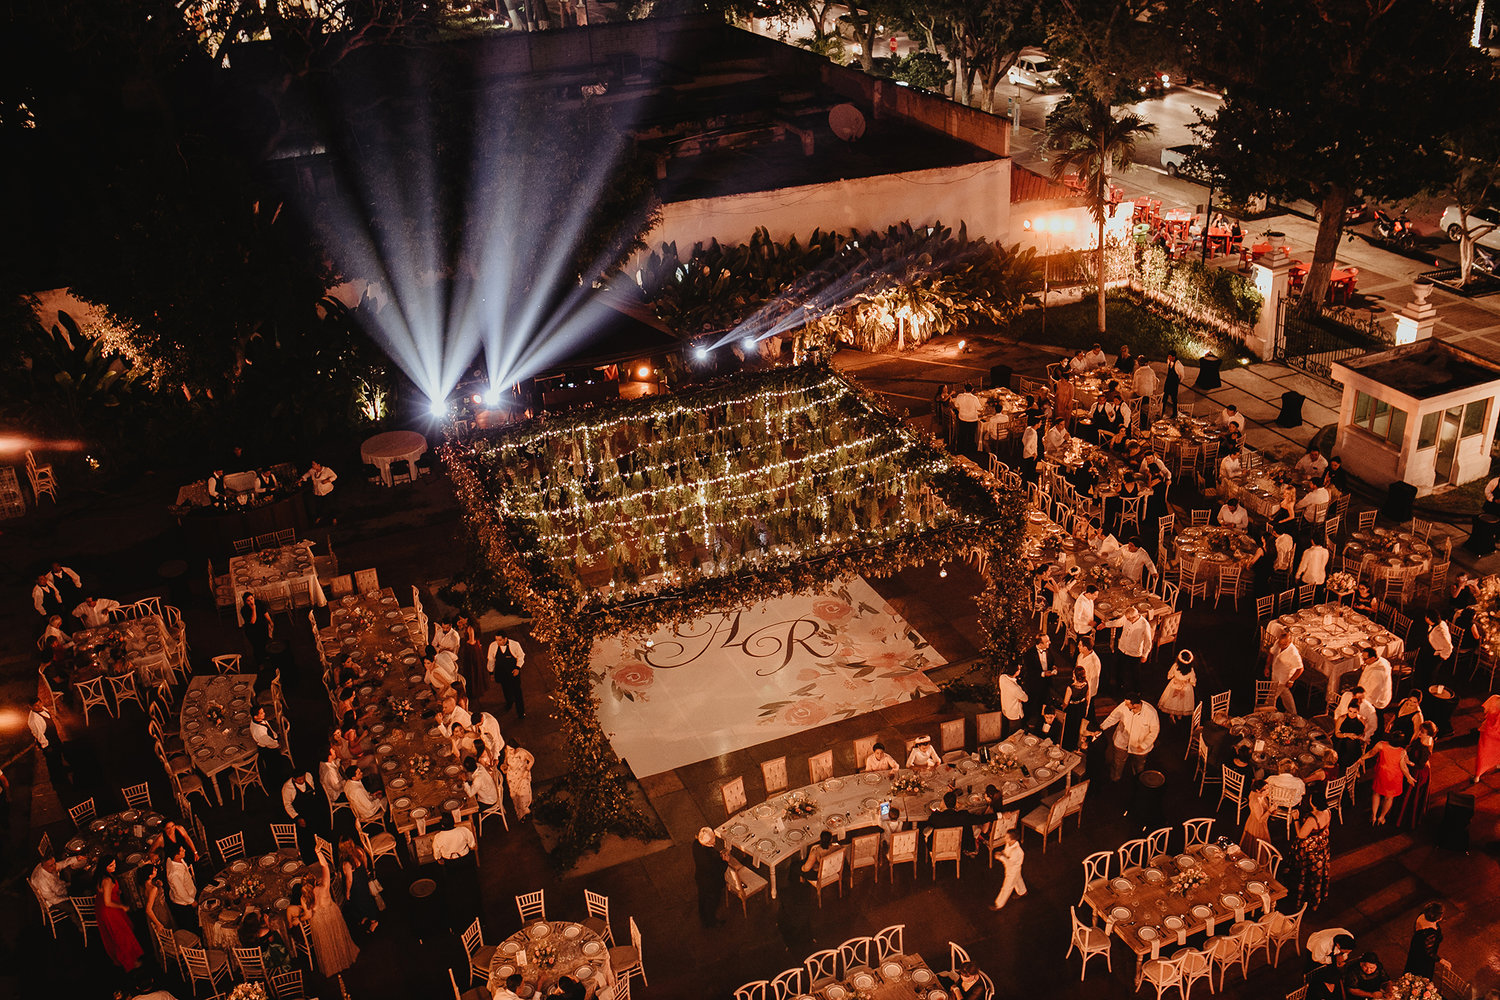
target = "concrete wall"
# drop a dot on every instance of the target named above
(888, 100)
(976, 194)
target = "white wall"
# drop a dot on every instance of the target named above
(977, 194)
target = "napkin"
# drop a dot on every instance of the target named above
(1182, 933)
(1155, 948)
(1210, 925)
(1239, 913)
(1265, 902)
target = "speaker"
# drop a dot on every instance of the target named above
(1453, 831)
(1000, 376)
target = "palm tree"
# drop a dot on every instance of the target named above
(1084, 135)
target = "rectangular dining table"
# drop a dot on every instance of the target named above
(146, 641)
(1142, 908)
(216, 747)
(263, 572)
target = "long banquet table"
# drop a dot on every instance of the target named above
(767, 837)
(1329, 636)
(213, 746)
(396, 708)
(1143, 908)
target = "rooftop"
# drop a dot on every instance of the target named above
(1425, 369)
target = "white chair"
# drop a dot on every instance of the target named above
(481, 955)
(1219, 706)
(1133, 854)
(137, 796)
(830, 872)
(206, 964)
(855, 953)
(822, 968)
(285, 835)
(91, 694)
(1163, 973)
(1095, 870)
(231, 847)
(82, 813)
(52, 914)
(903, 849)
(890, 941)
(1089, 941)
(1283, 800)
(367, 580)
(733, 793)
(957, 956)
(598, 918)
(864, 852)
(288, 985)
(229, 663)
(947, 845)
(789, 983)
(251, 962)
(758, 990)
(1223, 950)
(1192, 965)
(124, 688)
(1254, 936)
(1157, 842)
(1197, 831)
(629, 960)
(744, 883)
(820, 767)
(773, 774)
(1233, 790)
(1268, 857)
(381, 845)
(533, 905)
(1044, 819)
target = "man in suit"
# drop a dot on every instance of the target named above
(1039, 674)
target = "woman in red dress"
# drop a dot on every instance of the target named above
(1391, 777)
(113, 917)
(1488, 754)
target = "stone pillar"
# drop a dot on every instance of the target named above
(1417, 318)
(1272, 279)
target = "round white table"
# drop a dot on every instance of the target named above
(392, 446)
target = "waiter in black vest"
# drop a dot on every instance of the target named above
(306, 808)
(44, 732)
(505, 659)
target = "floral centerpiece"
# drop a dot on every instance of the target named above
(1187, 881)
(1283, 734)
(400, 707)
(250, 887)
(1341, 583)
(907, 784)
(544, 955)
(248, 991)
(421, 764)
(383, 659)
(214, 713)
(1412, 987)
(798, 806)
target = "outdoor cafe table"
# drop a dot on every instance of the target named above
(1341, 280)
(146, 641)
(553, 949)
(396, 708)
(127, 836)
(1151, 911)
(1390, 553)
(1330, 636)
(1212, 548)
(765, 835)
(1174, 432)
(1285, 737)
(263, 572)
(269, 883)
(1090, 385)
(215, 746)
(393, 446)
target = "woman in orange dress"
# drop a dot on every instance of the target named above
(113, 917)
(1391, 777)
(1488, 754)
(1257, 819)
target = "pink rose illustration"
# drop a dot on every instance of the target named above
(808, 674)
(832, 610)
(633, 676)
(886, 661)
(806, 712)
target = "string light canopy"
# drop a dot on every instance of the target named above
(641, 514)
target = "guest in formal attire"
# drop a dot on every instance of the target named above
(1013, 699)
(172, 835)
(480, 783)
(1437, 650)
(113, 918)
(1311, 852)
(879, 760)
(1311, 465)
(67, 583)
(1230, 416)
(255, 622)
(1392, 772)
(1232, 515)
(1135, 643)
(815, 855)
(505, 659)
(1364, 601)
(1134, 561)
(49, 884)
(1326, 982)
(366, 807)
(471, 659)
(922, 754)
(1413, 803)
(44, 734)
(1075, 707)
(507, 990)
(966, 983)
(1011, 857)
(359, 875)
(1427, 937)
(331, 775)
(267, 745)
(1179, 697)
(332, 947)
(1283, 669)
(1313, 568)
(1487, 755)
(182, 888)
(1136, 727)
(322, 479)
(709, 864)
(518, 764)
(967, 407)
(1257, 816)
(1367, 980)
(1375, 678)
(1171, 383)
(94, 611)
(453, 840)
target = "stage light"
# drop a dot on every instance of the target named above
(700, 353)
(475, 399)
(748, 343)
(492, 398)
(943, 571)
(438, 408)
(643, 372)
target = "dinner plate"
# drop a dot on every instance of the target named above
(572, 931)
(76, 844)
(832, 784)
(891, 970)
(269, 861)
(862, 981)
(387, 600)
(155, 820)
(504, 972)
(765, 846)
(1186, 861)
(205, 752)
(1255, 888)
(1306, 758)
(196, 739)
(384, 748)
(290, 866)
(192, 725)
(418, 813)
(584, 973)
(592, 947)
(921, 976)
(1211, 852)
(402, 803)
(393, 614)
(937, 995)
(871, 778)
(388, 765)
(1043, 772)
(1232, 900)
(539, 930)
(967, 764)
(240, 866)
(1203, 911)
(397, 782)
(451, 770)
(835, 992)
(348, 640)
(415, 678)
(1246, 864)
(1147, 933)
(795, 836)
(763, 811)
(510, 947)
(451, 804)
(233, 750)
(409, 660)
(397, 629)
(282, 903)
(1155, 876)
(1055, 753)
(1007, 748)
(833, 822)
(1172, 923)
(1120, 913)
(1122, 885)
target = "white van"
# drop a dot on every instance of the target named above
(1033, 69)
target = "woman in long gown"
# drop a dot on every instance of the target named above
(358, 895)
(1408, 718)
(1488, 754)
(1178, 698)
(1257, 818)
(1426, 938)
(1075, 705)
(1413, 803)
(1391, 776)
(1311, 850)
(256, 624)
(333, 949)
(470, 657)
(113, 917)
(518, 778)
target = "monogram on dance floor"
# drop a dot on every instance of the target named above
(734, 680)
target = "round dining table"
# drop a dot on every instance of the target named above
(393, 446)
(1213, 548)
(1285, 737)
(269, 883)
(1388, 554)
(126, 836)
(543, 951)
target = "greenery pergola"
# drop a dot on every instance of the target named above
(638, 515)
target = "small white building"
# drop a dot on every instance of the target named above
(1422, 413)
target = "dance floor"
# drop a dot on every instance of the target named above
(731, 681)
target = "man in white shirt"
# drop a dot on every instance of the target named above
(1230, 466)
(94, 611)
(47, 880)
(507, 990)
(1232, 515)
(1030, 450)
(1375, 678)
(1314, 565)
(1315, 504)
(439, 669)
(1286, 550)
(1134, 561)
(1134, 644)
(504, 662)
(1088, 662)
(489, 731)
(879, 760)
(1096, 359)
(1436, 651)
(331, 775)
(453, 715)
(1355, 698)
(1285, 780)
(1231, 416)
(45, 596)
(267, 744)
(1083, 610)
(446, 639)
(1143, 379)
(44, 732)
(480, 783)
(966, 407)
(1136, 728)
(1311, 465)
(322, 478)
(1012, 699)
(1322, 944)
(182, 888)
(1283, 669)
(453, 841)
(366, 807)
(1057, 439)
(922, 754)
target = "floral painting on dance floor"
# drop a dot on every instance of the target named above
(734, 680)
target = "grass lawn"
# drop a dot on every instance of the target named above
(1075, 325)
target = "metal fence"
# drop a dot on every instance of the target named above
(1311, 337)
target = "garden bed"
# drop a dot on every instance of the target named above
(1479, 284)
(1149, 333)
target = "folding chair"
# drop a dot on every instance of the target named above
(629, 960)
(231, 847)
(481, 955)
(229, 663)
(210, 965)
(285, 835)
(532, 905)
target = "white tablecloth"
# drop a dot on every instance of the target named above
(392, 446)
(1330, 639)
(292, 564)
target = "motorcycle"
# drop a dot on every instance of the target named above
(1397, 231)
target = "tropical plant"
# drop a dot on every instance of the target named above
(927, 70)
(1087, 137)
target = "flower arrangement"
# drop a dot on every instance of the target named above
(1341, 583)
(383, 659)
(1412, 987)
(907, 784)
(544, 955)
(249, 887)
(1187, 881)
(214, 713)
(400, 707)
(248, 991)
(1283, 734)
(798, 806)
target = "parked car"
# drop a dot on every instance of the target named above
(1033, 69)
(1156, 85)
(1452, 224)
(1177, 162)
